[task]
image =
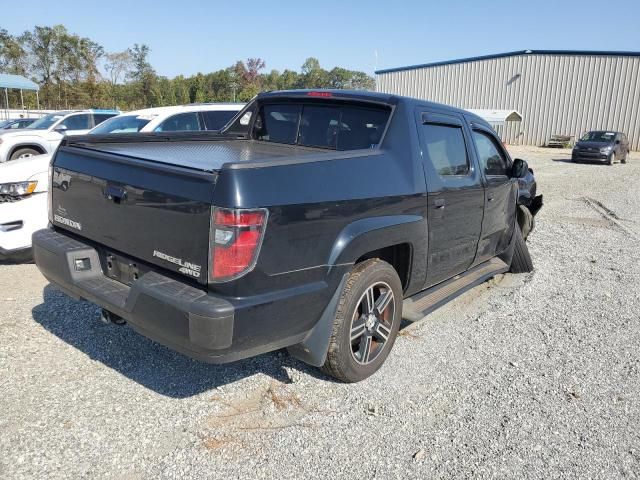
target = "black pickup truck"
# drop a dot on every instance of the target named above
(310, 222)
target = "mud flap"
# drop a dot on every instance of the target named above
(313, 349)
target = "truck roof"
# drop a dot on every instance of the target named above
(367, 96)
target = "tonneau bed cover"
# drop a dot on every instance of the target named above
(201, 154)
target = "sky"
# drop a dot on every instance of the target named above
(191, 36)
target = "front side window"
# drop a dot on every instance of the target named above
(77, 122)
(446, 149)
(45, 122)
(492, 160)
(183, 122)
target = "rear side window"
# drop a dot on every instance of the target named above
(183, 122)
(215, 120)
(77, 122)
(446, 149)
(326, 126)
(492, 160)
(98, 118)
(121, 124)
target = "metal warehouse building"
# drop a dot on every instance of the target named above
(557, 92)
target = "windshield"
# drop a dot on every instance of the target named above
(45, 122)
(122, 124)
(600, 137)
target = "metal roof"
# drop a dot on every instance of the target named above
(17, 82)
(497, 117)
(512, 54)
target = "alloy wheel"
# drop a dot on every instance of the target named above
(371, 323)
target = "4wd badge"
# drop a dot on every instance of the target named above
(187, 268)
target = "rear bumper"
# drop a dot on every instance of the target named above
(199, 324)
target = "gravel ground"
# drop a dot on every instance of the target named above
(531, 376)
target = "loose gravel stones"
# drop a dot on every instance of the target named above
(534, 376)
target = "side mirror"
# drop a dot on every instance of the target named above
(61, 129)
(617, 141)
(520, 168)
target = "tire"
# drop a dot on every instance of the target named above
(23, 153)
(525, 220)
(361, 342)
(612, 158)
(521, 261)
(624, 160)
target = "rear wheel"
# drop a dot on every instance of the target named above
(23, 153)
(521, 261)
(366, 323)
(624, 160)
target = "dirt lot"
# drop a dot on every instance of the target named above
(525, 376)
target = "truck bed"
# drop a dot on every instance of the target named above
(200, 153)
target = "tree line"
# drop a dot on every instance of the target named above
(77, 72)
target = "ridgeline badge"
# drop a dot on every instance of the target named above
(187, 268)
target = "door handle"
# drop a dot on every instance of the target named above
(490, 198)
(439, 203)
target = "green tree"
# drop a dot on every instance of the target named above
(117, 66)
(142, 73)
(198, 93)
(42, 45)
(12, 54)
(66, 66)
(313, 76)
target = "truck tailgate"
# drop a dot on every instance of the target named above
(157, 213)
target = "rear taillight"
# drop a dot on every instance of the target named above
(236, 237)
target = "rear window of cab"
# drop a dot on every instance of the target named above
(335, 127)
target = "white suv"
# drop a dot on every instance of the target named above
(24, 182)
(180, 118)
(45, 134)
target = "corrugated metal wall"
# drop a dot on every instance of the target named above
(556, 94)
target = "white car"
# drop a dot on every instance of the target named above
(180, 118)
(45, 134)
(24, 182)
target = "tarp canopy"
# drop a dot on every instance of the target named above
(497, 117)
(17, 82)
